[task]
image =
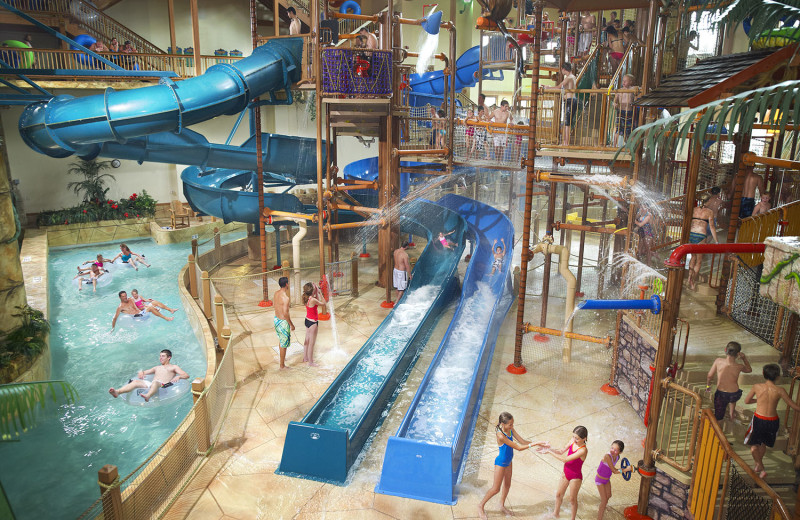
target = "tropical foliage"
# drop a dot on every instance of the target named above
(763, 15)
(138, 205)
(93, 185)
(29, 339)
(19, 402)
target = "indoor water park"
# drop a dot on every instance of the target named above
(353, 259)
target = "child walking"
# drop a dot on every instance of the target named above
(508, 440)
(607, 468)
(573, 455)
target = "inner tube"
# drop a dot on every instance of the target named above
(137, 318)
(87, 41)
(163, 396)
(350, 5)
(101, 282)
(20, 59)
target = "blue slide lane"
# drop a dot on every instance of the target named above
(325, 444)
(425, 458)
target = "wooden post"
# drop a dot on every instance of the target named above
(198, 69)
(205, 288)
(224, 339)
(219, 313)
(276, 22)
(194, 247)
(171, 16)
(112, 497)
(201, 417)
(354, 276)
(217, 240)
(581, 248)
(192, 277)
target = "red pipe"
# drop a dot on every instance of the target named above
(676, 258)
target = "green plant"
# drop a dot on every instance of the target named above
(140, 205)
(93, 184)
(29, 339)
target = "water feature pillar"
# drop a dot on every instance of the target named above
(12, 286)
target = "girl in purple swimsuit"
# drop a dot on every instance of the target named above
(607, 468)
(573, 455)
(508, 440)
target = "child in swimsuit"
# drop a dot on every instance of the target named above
(607, 468)
(499, 253)
(312, 297)
(99, 261)
(443, 240)
(572, 456)
(469, 132)
(128, 256)
(508, 440)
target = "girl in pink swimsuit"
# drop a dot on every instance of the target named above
(572, 456)
(607, 468)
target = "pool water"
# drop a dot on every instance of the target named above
(51, 472)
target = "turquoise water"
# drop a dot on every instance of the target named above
(52, 471)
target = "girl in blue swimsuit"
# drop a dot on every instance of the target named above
(502, 464)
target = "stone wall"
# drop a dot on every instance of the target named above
(669, 498)
(637, 351)
(95, 232)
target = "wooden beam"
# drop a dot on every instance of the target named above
(171, 16)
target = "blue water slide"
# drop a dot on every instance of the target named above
(425, 458)
(65, 125)
(325, 444)
(428, 87)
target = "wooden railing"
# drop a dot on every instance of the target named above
(716, 476)
(50, 59)
(678, 426)
(759, 227)
(89, 18)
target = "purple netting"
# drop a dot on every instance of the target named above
(358, 72)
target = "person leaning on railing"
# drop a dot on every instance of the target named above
(128, 61)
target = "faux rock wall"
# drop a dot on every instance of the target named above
(636, 354)
(669, 498)
(782, 272)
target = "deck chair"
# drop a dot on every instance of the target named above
(179, 214)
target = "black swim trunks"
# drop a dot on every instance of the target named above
(721, 401)
(762, 430)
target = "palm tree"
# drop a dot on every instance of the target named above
(93, 184)
(774, 105)
(18, 402)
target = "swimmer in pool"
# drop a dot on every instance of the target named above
(98, 262)
(128, 256)
(127, 306)
(143, 303)
(164, 375)
(94, 274)
(447, 244)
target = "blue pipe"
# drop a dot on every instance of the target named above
(66, 125)
(653, 304)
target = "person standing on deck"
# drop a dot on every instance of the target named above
(294, 23)
(282, 320)
(401, 274)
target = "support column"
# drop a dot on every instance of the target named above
(196, 37)
(517, 367)
(648, 53)
(321, 169)
(256, 127)
(171, 17)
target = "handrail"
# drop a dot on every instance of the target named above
(778, 507)
(675, 435)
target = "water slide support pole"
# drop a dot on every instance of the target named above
(517, 367)
(315, 17)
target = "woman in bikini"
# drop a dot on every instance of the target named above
(616, 48)
(128, 256)
(508, 440)
(312, 297)
(573, 455)
(702, 220)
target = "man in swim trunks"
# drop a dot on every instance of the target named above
(588, 25)
(752, 182)
(702, 219)
(567, 87)
(401, 274)
(765, 424)
(282, 320)
(500, 115)
(727, 370)
(127, 306)
(624, 104)
(164, 376)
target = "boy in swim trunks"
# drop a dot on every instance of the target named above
(164, 375)
(94, 274)
(282, 320)
(567, 86)
(401, 274)
(624, 105)
(499, 253)
(727, 370)
(765, 424)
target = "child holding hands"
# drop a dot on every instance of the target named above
(572, 455)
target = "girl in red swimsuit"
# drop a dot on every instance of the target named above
(311, 298)
(572, 456)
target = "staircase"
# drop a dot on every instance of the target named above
(80, 17)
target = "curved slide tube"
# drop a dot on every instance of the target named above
(325, 444)
(424, 459)
(652, 304)
(66, 125)
(429, 86)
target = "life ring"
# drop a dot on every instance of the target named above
(22, 59)
(102, 281)
(142, 317)
(163, 396)
(350, 5)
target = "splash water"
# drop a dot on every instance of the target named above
(638, 274)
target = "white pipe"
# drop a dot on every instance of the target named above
(301, 222)
(546, 247)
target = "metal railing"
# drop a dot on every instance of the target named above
(678, 426)
(49, 59)
(718, 489)
(90, 19)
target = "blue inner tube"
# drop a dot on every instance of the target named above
(350, 5)
(624, 464)
(87, 41)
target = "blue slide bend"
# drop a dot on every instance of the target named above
(425, 458)
(325, 444)
(428, 87)
(66, 125)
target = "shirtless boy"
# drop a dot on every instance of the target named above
(94, 274)
(567, 85)
(499, 253)
(372, 40)
(164, 375)
(127, 306)
(623, 101)
(401, 274)
(763, 205)
(765, 424)
(727, 370)
(752, 182)
(282, 320)
(588, 24)
(500, 115)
